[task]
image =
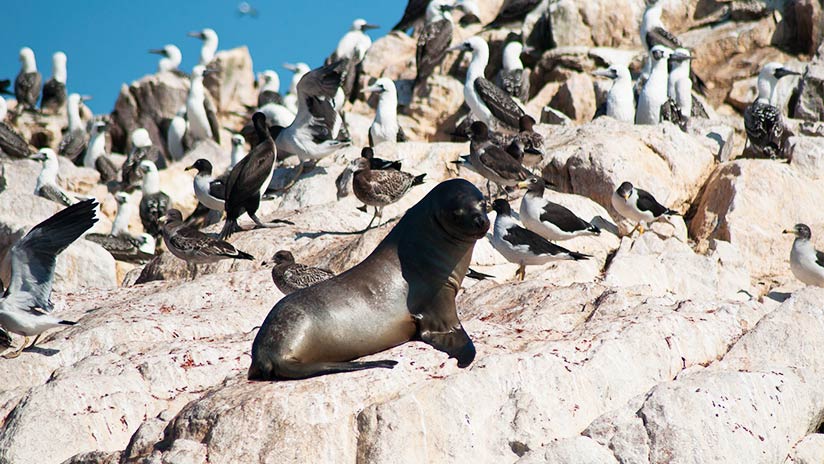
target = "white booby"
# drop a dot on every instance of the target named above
(54, 90)
(47, 179)
(523, 246)
(679, 83)
(620, 102)
(548, 219)
(269, 85)
(75, 138)
(25, 305)
(512, 77)
(171, 58)
(512, 11)
(763, 122)
(290, 100)
(654, 33)
(385, 127)
(471, 13)
(209, 47)
(130, 172)
(175, 135)
(486, 101)
(96, 157)
(806, 263)
(352, 49)
(27, 84)
(120, 225)
(654, 93)
(414, 11)
(209, 191)
(434, 41)
(4, 109)
(200, 111)
(638, 206)
(238, 150)
(154, 203)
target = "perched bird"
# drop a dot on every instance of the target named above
(512, 77)
(352, 49)
(471, 15)
(434, 41)
(54, 90)
(653, 32)
(290, 276)
(512, 11)
(638, 206)
(620, 102)
(385, 127)
(47, 180)
(654, 93)
(130, 173)
(154, 203)
(529, 141)
(806, 262)
(209, 47)
(290, 100)
(171, 58)
(522, 246)
(75, 139)
(126, 248)
(414, 12)
(344, 180)
(193, 246)
(766, 131)
(380, 188)
(176, 135)
(200, 111)
(209, 191)
(120, 225)
(11, 142)
(679, 85)
(547, 219)
(4, 109)
(33, 260)
(486, 101)
(96, 157)
(27, 84)
(269, 84)
(492, 162)
(238, 150)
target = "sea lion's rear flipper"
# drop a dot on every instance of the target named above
(440, 328)
(293, 370)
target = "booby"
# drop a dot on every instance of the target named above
(385, 127)
(471, 15)
(529, 141)
(193, 246)
(154, 203)
(269, 83)
(120, 225)
(654, 93)
(138, 249)
(512, 11)
(512, 77)
(620, 102)
(95, 157)
(25, 305)
(209, 47)
(54, 90)
(434, 41)
(200, 111)
(548, 219)
(130, 173)
(486, 101)
(352, 49)
(806, 263)
(290, 100)
(415, 10)
(380, 188)
(290, 276)
(171, 58)
(12, 143)
(679, 85)
(47, 180)
(763, 122)
(4, 109)
(209, 191)
(492, 162)
(238, 150)
(75, 139)
(4, 87)
(27, 84)
(638, 206)
(523, 246)
(175, 135)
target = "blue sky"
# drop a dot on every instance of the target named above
(107, 41)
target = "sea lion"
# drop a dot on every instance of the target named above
(405, 290)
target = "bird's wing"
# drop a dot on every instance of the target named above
(53, 193)
(432, 45)
(518, 236)
(254, 169)
(12, 143)
(217, 189)
(211, 115)
(499, 102)
(33, 258)
(661, 36)
(563, 218)
(73, 145)
(323, 81)
(302, 276)
(646, 202)
(670, 111)
(391, 183)
(324, 118)
(513, 10)
(819, 258)
(502, 163)
(106, 167)
(415, 9)
(152, 208)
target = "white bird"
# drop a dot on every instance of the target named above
(763, 122)
(47, 179)
(620, 102)
(638, 206)
(54, 90)
(95, 157)
(209, 47)
(4, 108)
(290, 100)
(806, 263)
(142, 148)
(200, 112)
(385, 127)
(550, 220)
(175, 135)
(352, 49)
(512, 77)
(654, 33)
(120, 225)
(654, 93)
(171, 58)
(27, 84)
(434, 40)
(154, 203)
(238, 150)
(679, 82)
(209, 191)
(269, 84)
(33, 260)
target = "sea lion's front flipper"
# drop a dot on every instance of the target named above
(439, 327)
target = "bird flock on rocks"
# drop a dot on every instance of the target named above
(308, 123)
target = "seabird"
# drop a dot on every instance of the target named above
(33, 260)
(529, 141)
(620, 102)
(344, 180)
(193, 246)
(380, 188)
(352, 49)
(171, 58)
(269, 83)
(120, 225)
(200, 111)
(654, 33)
(238, 150)
(4, 109)
(638, 206)
(806, 262)
(523, 246)
(127, 248)
(492, 162)
(54, 90)
(654, 93)
(4, 87)
(512, 11)
(209, 191)
(249, 180)
(47, 180)
(471, 15)
(486, 101)
(27, 84)
(679, 85)
(550, 220)
(95, 157)
(385, 127)
(512, 77)
(154, 203)
(130, 173)
(75, 139)
(763, 122)
(290, 100)
(209, 47)
(290, 276)
(12, 143)
(434, 41)
(415, 10)
(176, 134)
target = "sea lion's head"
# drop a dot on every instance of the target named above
(460, 210)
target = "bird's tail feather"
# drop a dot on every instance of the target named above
(594, 229)
(418, 180)
(578, 256)
(244, 255)
(68, 322)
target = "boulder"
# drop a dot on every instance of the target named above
(576, 98)
(232, 85)
(810, 104)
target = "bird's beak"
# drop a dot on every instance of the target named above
(781, 72)
(602, 73)
(207, 71)
(290, 67)
(85, 98)
(788, 231)
(366, 27)
(679, 57)
(196, 34)
(455, 47)
(190, 168)
(373, 88)
(626, 196)
(157, 51)
(162, 219)
(523, 184)
(38, 157)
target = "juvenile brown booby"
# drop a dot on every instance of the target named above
(512, 11)
(290, 276)
(54, 90)
(27, 84)
(385, 127)
(47, 180)
(209, 47)
(548, 219)
(765, 127)
(200, 111)
(380, 188)
(154, 203)
(638, 206)
(434, 41)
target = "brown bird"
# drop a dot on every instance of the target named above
(290, 276)
(380, 188)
